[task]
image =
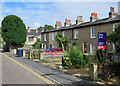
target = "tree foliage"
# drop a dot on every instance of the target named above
(37, 44)
(13, 30)
(114, 37)
(49, 27)
(61, 40)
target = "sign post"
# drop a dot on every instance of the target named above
(102, 44)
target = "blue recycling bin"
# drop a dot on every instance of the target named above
(20, 52)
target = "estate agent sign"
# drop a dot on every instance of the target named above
(101, 40)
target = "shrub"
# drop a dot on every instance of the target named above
(77, 59)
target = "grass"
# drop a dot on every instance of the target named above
(48, 61)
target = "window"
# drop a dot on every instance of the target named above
(114, 25)
(76, 34)
(53, 45)
(53, 36)
(30, 39)
(85, 47)
(92, 32)
(63, 33)
(45, 37)
(44, 46)
(113, 46)
(91, 49)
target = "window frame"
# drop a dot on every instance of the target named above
(75, 33)
(45, 37)
(92, 33)
(63, 34)
(114, 25)
(53, 36)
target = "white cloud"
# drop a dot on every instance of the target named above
(50, 13)
(36, 24)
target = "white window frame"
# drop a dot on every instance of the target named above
(53, 45)
(91, 48)
(114, 25)
(75, 33)
(113, 46)
(63, 33)
(92, 34)
(45, 37)
(53, 36)
(44, 46)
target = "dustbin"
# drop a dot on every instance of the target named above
(20, 52)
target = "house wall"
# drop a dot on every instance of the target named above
(84, 36)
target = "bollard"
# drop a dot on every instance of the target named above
(93, 73)
(23, 53)
(41, 55)
(29, 55)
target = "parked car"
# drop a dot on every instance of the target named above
(116, 57)
(53, 50)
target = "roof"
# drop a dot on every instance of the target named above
(33, 33)
(97, 22)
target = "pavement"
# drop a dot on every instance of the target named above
(51, 74)
(13, 73)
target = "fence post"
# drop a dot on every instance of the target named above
(23, 53)
(93, 71)
(41, 55)
(29, 55)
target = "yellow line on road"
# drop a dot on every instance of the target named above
(33, 72)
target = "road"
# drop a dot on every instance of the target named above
(14, 73)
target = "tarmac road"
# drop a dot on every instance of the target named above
(13, 73)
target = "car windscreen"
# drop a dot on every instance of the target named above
(55, 50)
(47, 50)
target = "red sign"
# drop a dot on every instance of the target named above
(101, 47)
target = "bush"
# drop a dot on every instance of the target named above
(37, 44)
(77, 59)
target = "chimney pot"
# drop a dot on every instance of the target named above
(65, 20)
(28, 27)
(56, 22)
(96, 14)
(69, 20)
(91, 14)
(111, 9)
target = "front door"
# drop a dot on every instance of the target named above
(84, 47)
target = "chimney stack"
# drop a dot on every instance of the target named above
(93, 17)
(79, 20)
(112, 12)
(58, 25)
(36, 30)
(28, 30)
(67, 23)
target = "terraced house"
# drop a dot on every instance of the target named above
(84, 34)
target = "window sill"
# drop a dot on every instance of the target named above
(92, 37)
(76, 39)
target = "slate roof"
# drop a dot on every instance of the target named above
(33, 33)
(97, 22)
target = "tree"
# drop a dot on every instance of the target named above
(114, 37)
(49, 27)
(37, 44)
(13, 30)
(61, 40)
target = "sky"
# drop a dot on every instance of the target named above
(35, 14)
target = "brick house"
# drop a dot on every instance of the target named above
(32, 36)
(84, 34)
